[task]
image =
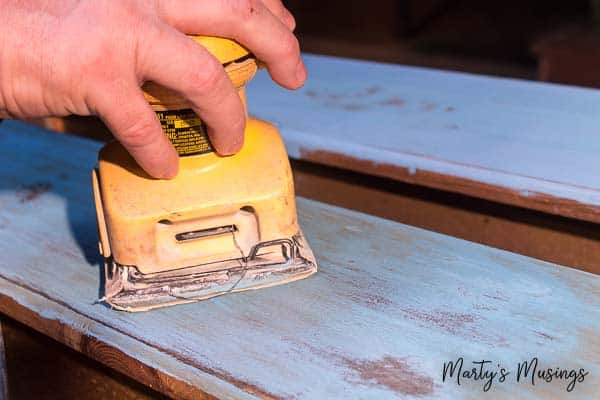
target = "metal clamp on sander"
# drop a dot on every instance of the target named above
(223, 225)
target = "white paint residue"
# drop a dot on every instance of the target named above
(528, 137)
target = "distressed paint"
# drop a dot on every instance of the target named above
(390, 304)
(534, 140)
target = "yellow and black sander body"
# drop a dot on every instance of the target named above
(223, 225)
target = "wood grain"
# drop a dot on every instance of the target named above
(389, 306)
(39, 367)
(3, 380)
(521, 143)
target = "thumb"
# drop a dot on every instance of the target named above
(133, 123)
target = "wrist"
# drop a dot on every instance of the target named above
(21, 59)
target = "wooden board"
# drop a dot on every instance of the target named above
(522, 143)
(560, 240)
(389, 306)
(550, 237)
(3, 380)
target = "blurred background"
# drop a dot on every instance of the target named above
(552, 40)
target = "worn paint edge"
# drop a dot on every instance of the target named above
(523, 191)
(59, 322)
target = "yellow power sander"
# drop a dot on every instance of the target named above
(223, 225)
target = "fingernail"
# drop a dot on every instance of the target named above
(301, 72)
(232, 147)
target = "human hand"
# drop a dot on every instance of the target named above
(90, 57)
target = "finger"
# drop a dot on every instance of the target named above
(275, 6)
(280, 11)
(129, 117)
(249, 22)
(194, 73)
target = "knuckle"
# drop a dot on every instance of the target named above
(137, 133)
(206, 78)
(291, 20)
(244, 8)
(290, 46)
(286, 15)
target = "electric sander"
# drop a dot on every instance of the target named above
(223, 225)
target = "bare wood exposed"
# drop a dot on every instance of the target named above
(548, 237)
(520, 143)
(390, 304)
(3, 380)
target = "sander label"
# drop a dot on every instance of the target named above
(186, 131)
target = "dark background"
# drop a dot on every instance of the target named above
(547, 40)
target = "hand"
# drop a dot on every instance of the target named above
(90, 57)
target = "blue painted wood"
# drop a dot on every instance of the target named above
(390, 304)
(527, 143)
